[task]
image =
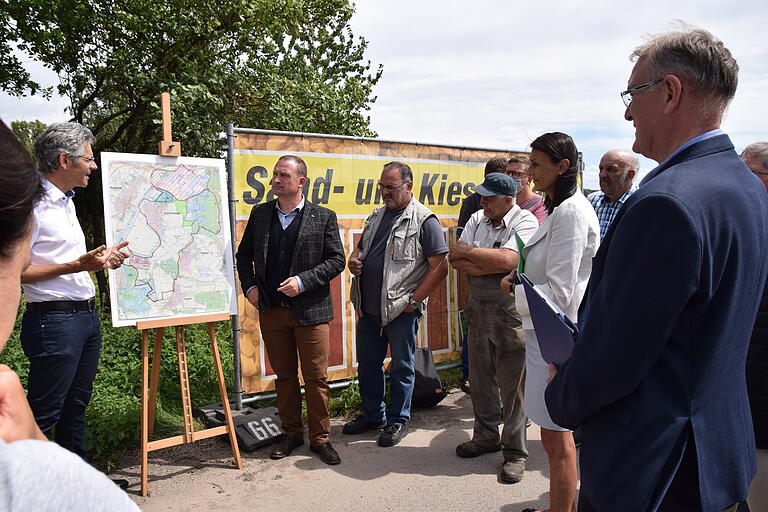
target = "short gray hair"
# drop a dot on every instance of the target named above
(757, 151)
(404, 169)
(697, 57)
(60, 138)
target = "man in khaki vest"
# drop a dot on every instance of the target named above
(398, 262)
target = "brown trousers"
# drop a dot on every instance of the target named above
(288, 343)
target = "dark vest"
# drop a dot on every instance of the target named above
(279, 257)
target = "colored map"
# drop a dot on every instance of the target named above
(173, 212)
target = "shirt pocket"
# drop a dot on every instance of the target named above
(403, 245)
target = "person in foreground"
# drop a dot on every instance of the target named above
(290, 252)
(35, 474)
(558, 259)
(656, 378)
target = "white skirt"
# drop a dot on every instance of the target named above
(536, 374)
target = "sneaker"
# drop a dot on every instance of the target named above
(392, 434)
(512, 471)
(471, 449)
(359, 425)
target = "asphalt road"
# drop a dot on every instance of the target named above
(419, 474)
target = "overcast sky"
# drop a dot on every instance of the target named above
(500, 73)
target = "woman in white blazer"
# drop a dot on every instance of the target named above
(558, 259)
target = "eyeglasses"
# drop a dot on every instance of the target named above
(517, 174)
(381, 186)
(626, 96)
(88, 159)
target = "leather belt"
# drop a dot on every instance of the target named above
(69, 306)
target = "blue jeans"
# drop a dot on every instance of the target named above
(464, 355)
(63, 350)
(372, 341)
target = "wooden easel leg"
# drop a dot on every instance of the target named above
(144, 411)
(156, 358)
(186, 400)
(224, 397)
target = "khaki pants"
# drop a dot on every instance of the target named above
(289, 343)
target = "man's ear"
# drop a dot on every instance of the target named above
(62, 160)
(673, 88)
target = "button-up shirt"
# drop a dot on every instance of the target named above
(606, 210)
(57, 238)
(479, 232)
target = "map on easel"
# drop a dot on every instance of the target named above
(174, 213)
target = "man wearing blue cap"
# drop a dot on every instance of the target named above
(487, 251)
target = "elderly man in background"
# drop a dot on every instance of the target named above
(655, 377)
(487, 251)
(755, 156)
(618, 169)
(61, 331)
(518, 168)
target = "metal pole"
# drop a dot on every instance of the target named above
(232, 223)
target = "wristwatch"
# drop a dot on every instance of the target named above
(413, 303)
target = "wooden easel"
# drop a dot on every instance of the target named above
(168, 147)
(149, 389)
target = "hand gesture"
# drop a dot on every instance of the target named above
(290, 287)
(16, 419)
(116, 256)
(94, 260)
(355, 266)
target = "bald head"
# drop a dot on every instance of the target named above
(756, 157)
(618, 168)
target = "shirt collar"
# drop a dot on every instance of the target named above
(55, 192)
(298, 208)
(507, 218)
(698, 138)
(631, 190)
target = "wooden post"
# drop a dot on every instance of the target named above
(149, 396)
(167, 146)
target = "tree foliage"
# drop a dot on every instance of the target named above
(274, 64)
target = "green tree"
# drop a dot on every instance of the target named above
(27, 132)
(274, 64)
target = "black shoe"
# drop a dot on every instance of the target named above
(392, 434)
(120, 482)
(286, 445)
(465, 386)
(359, 425)
(327, 453)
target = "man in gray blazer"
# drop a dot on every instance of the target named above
(290, 251)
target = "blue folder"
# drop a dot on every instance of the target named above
(554, 330)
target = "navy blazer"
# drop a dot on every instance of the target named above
(665, 326)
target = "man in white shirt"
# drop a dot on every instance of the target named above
(487, 251)
(61, 333)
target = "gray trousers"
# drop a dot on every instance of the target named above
(497, 367)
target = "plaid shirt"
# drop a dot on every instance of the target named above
(606, 210)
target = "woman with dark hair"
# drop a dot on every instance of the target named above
(558, 259)
(34, 474)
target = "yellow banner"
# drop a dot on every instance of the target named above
(342, 175)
